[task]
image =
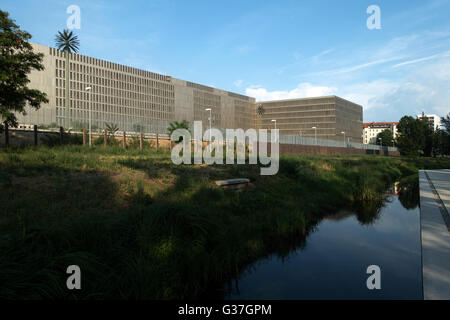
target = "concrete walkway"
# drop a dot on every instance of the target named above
(435, 236)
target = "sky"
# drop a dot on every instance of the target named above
(271, 49)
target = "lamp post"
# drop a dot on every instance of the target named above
(275, 122)
(89, 90)
(315, 134)
(209, 109)
(343, 132)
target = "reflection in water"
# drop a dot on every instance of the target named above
(330, 262)
(409, 192)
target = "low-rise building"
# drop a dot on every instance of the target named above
(372, 129)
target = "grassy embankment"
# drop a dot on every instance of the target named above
(140, 227)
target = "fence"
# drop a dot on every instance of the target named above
(300, 140)
(34, 136)
(15, 137)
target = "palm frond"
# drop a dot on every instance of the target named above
(67, 41)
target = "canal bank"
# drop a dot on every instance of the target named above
(435, 237)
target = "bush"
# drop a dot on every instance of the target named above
(54, 139)
(110, 140)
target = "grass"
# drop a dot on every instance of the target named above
(140, 227)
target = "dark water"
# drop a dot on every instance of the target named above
(333, 261)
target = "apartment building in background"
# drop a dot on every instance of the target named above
(434, 121)
(372, 129)
(138, 100)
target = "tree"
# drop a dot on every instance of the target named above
(439, 142)
(111, 128)
(444, 137)
(446, 123)
(260, 111)
(410, 140)
(17, 60)
(386, 138)
(428, 133)
(67, 42)
(178, 125)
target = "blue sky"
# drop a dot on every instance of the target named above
(271, 49)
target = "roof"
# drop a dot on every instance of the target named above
(379, 124)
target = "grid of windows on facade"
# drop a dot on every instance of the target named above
(298, 117)
(348, 119)
(133, 99)
(244, 114)
(206, 100)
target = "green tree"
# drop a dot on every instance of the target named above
(17, 60)
(411, 136)
(68, 42)
(178, 125)
(439, 142)
(442, 137)
(446, 123)
(428, 133)
(260, 111)
(385, 138)
(111, 128)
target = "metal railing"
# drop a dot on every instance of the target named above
(300, 140)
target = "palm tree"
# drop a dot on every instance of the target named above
(67, 42)
(178, 125)
(111, 128)
(260, 111)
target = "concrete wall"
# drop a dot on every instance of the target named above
(302, 149)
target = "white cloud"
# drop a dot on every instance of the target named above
(370, 94)
(434, 56)
(353, 68)
(238, 83)
(303, 90)
(423, 89)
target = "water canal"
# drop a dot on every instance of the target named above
(332, 260)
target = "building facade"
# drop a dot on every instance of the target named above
(434, 121)
(133, 99)
(372, 129)
(331, 118)
(138, 100)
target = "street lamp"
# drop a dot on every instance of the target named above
(343, 132)
(209, 109)
(275, 122)
(315, 134)
(89, 89)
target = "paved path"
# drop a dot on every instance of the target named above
(435, 227)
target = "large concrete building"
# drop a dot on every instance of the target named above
(329, 118)
(136, 99)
